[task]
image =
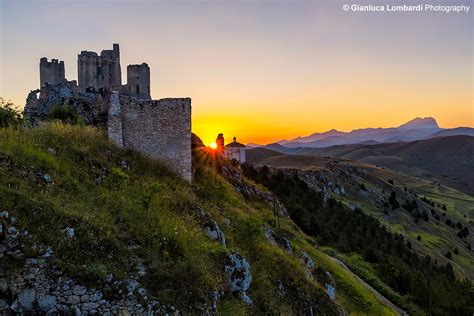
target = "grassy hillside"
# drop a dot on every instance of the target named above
(379, 183)
(385, 257)
(125, 208)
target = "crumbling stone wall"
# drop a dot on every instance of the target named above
(160, 129)
(91, 106)
(114, 123)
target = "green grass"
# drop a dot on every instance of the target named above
(367, 272)
(145, 211)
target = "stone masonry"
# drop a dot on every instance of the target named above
(160, 129)
(51, 72)
(138, 81)
(100, 72)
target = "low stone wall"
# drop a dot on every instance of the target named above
(160, 129)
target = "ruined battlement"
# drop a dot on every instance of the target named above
(45, 61)
(100, 72)
(51, 72)
(138, 81)
(160, 129)
(86, 53)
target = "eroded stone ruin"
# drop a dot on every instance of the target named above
(160, 129)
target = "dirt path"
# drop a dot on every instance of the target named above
(379, 296)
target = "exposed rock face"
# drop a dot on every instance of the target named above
(331, 291)
(269, 234)
(211, 228)
(323, 182)
(214, 232)
(238, 272)
(69, 233)
(307, 260)
(325, 278)
(236, 178)
(287, 245)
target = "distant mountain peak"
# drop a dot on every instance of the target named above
(420, 122)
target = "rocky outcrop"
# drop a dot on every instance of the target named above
(269, 234)
(248, 190)
(325, 182)
(325, 278)
(307, 261)
(239, 276)
(214, 232)
(211, 228)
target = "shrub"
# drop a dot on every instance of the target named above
(10, 116)
(65, 114)
(393, 201)
(95, 273)
(118, 177)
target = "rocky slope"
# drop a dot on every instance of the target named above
(93, 229)
(441, 213)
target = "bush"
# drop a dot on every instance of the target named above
(95, 273)
(393, 201)
(118, 177)
(10, 116)
(65, 114)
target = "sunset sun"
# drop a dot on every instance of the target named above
(213, 145)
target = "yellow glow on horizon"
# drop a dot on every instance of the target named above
(213, 145)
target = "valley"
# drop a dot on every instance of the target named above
(368, 187)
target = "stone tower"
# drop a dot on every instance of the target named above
(51, 72)
(138, 81)
(111, 74)
(100, 73)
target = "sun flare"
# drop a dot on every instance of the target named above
(213, 145)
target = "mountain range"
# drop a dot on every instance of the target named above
(416, 129)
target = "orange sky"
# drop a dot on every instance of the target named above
(259, 71)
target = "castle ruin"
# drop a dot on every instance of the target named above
(160, 129)
(51, 72)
